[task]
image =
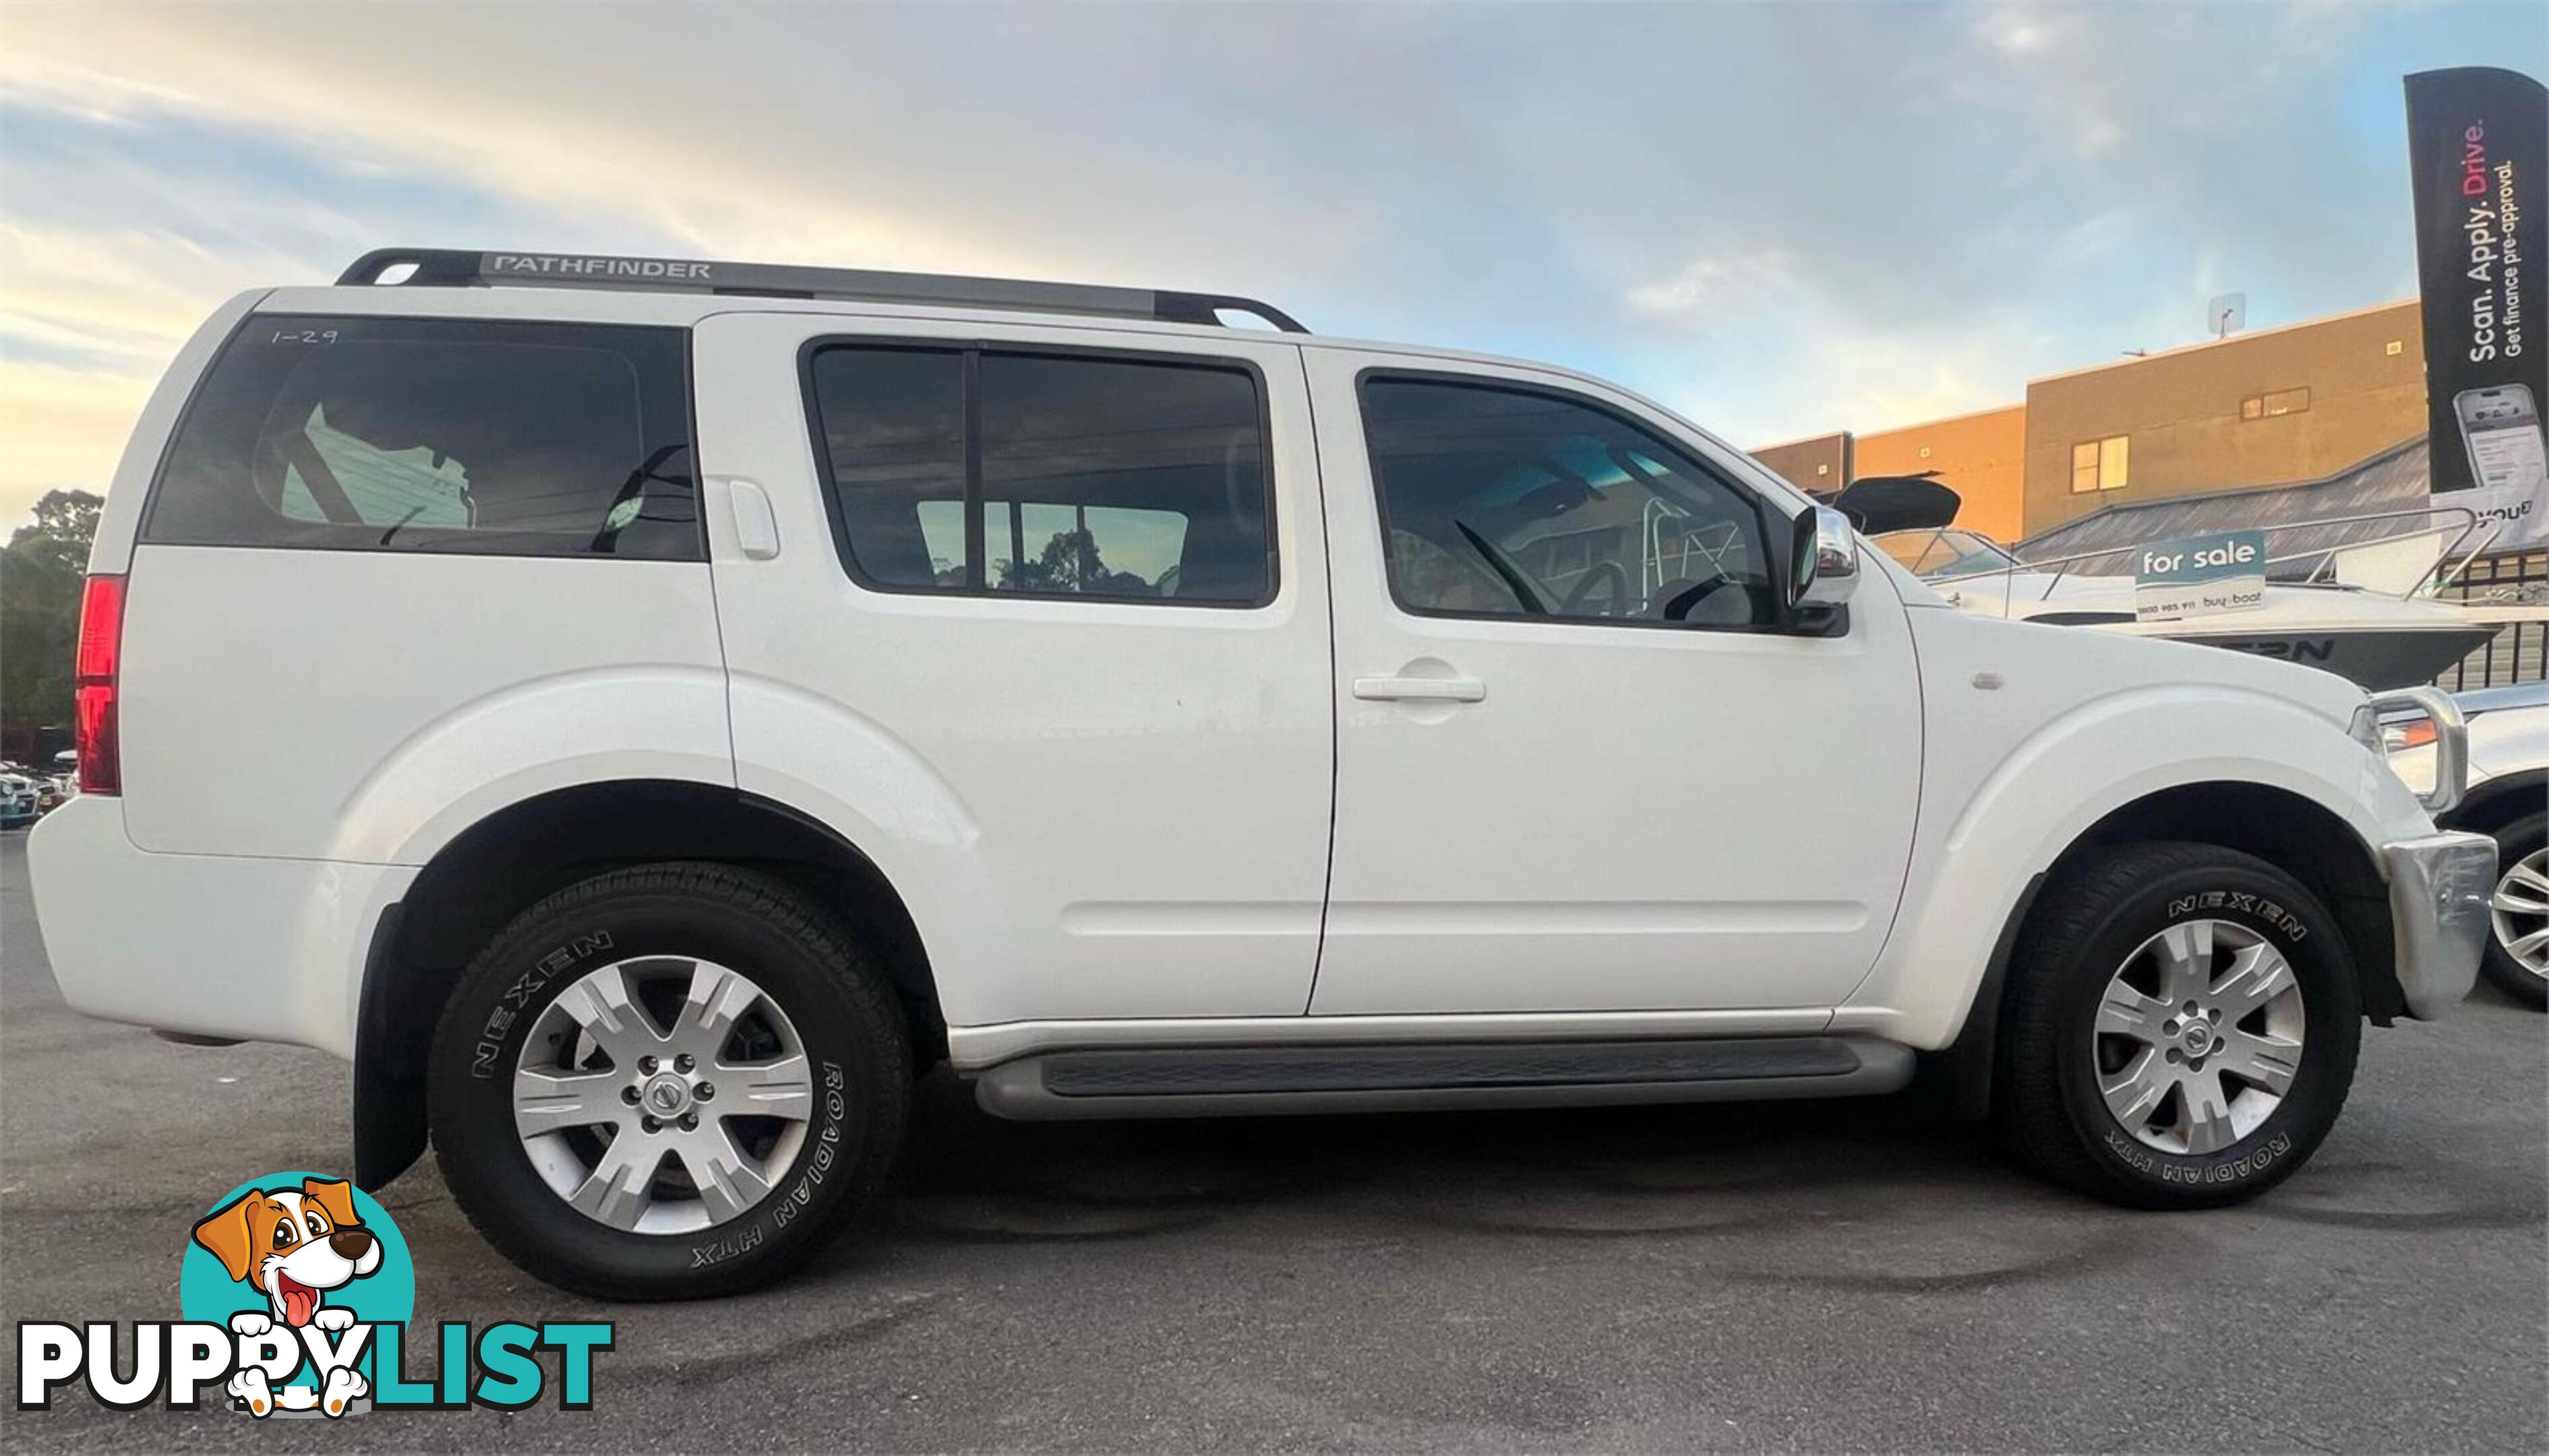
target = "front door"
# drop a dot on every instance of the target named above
(1581, 767)
(1037, 617)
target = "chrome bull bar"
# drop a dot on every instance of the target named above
(2451, 741)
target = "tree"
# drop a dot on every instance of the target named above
(40, 571)
(1070, 563)
(65, 523)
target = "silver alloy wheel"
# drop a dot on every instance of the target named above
(2520, 910)
(2198, 1037)
(662, 1094)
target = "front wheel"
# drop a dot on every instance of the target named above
(668, 1081)
(2180, 1030)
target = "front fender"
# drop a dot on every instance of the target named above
(1978, 848)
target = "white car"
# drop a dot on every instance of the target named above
(692, 697)
(2506, 798)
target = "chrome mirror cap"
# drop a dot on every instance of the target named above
(1827, 561)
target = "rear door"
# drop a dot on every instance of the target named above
(1037, 616)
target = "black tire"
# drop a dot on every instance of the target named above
(2086, 926)
(2524, 836)
(842, 1007)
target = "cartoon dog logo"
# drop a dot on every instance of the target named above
(293, 1246)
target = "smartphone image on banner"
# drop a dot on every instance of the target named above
(2501, 427)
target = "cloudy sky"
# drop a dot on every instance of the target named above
(1780, 218)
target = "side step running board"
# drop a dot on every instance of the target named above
(1199, 1081)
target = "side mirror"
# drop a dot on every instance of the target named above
(1823, 563)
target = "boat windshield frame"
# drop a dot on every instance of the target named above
(1969, 564)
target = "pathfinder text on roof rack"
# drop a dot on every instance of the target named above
(662, 268)
(451, 268)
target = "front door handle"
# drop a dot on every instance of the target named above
(1420, 690)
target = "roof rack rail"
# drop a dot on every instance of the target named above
(454, 268)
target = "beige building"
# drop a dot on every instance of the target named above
(1981, 456)
(1816, 463)
(2262, 409)
(2266, 408)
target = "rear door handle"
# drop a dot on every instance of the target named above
(756, 526)
(1420, 690)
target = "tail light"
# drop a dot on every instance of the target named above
(101, 647)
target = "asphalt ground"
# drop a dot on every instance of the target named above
(1823, 1276)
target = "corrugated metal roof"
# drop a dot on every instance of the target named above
(2396, 479)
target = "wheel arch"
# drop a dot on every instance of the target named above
(2497, 802)
(511, 857)
(2294, 833)
(2287, 829)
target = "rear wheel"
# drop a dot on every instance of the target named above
(2517, 943)
(2181, 1027)
(668, 1081)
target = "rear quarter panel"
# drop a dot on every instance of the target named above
(368, 706)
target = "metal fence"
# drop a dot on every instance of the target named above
(2519, 652)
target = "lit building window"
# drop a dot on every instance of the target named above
(2280, 401)
(2100, 465)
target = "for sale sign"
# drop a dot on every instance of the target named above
(2200, 575)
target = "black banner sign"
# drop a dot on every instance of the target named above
(2477, 149)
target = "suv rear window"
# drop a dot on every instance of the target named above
(1045, 474)
(437, 434)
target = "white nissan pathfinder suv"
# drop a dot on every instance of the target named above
(693, 698)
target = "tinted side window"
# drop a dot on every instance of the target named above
(1081, 475)
(1517, 503)
(416, 434)
(894, 426)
